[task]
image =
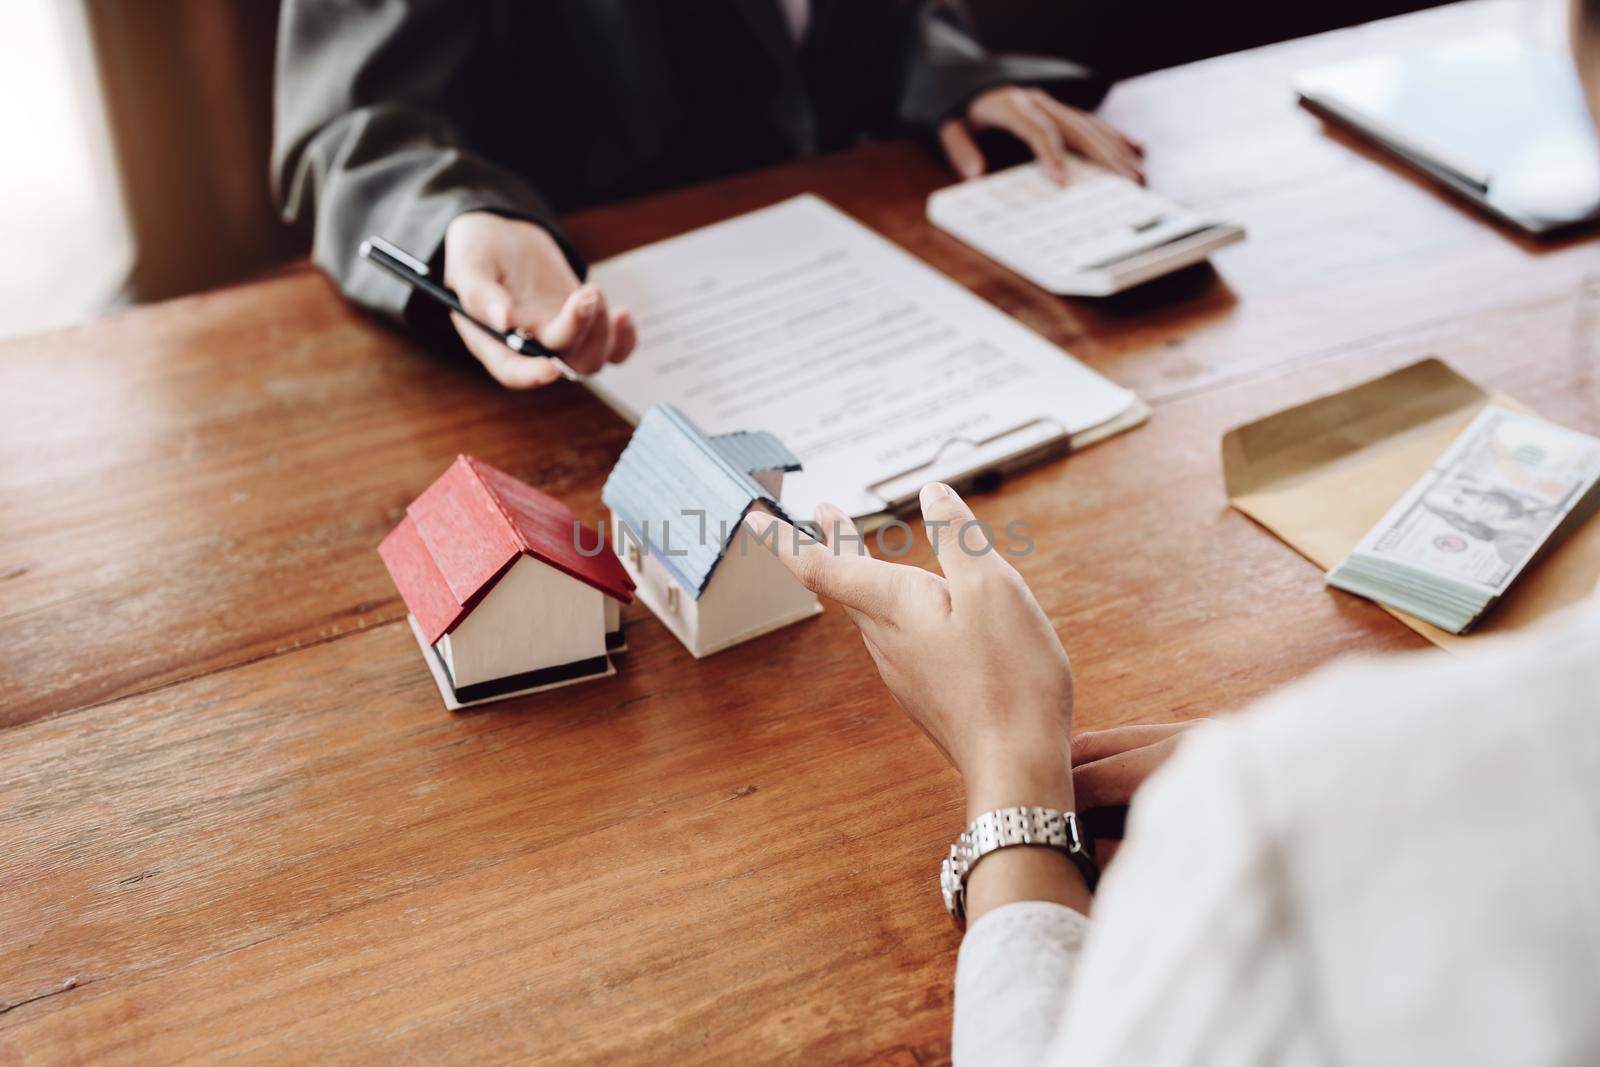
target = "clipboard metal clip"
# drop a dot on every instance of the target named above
(968, 465)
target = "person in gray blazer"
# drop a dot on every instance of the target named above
(461, 131)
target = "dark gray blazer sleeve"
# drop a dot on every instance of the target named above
(949, 67)
(363, 142)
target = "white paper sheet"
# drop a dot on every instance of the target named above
(871, 366)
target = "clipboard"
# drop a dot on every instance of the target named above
(1320, 475)
(876, 370)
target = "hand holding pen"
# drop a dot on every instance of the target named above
(515, 301)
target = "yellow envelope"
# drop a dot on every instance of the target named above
(1322, 474)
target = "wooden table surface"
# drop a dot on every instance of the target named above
(236, 820)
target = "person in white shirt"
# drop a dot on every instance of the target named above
(1389, 862)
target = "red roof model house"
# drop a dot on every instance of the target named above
(507, 593)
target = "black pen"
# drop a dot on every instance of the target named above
(414, 272)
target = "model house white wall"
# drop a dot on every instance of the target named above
(750, 593)
(534, 617)
(714, 589)
(655, 585)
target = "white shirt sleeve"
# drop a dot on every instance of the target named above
(1215, 975)
(1385, 863)
(1194, 959)
(1012, 977)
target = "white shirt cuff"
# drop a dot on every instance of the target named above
(1012, 981)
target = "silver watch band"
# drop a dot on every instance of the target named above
(1002, 828)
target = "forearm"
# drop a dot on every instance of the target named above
(364, 139)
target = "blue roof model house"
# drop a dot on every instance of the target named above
(677, 499)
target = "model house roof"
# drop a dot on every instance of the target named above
(671, 471)
(755, 451)
(470, 526)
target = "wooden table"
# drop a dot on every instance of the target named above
(235, 819)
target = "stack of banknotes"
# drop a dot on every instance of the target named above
(1505, 491)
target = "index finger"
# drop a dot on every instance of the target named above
(1044, 137)
(1097, 141)
(860, 583)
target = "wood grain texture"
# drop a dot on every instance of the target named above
(237, 821)
(200, 484)
(691, 861)
(203, 483)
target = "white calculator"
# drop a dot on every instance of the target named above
(1099, 234)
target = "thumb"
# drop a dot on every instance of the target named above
(573, 322)
(960, 149)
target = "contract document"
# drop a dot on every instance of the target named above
(876, 370)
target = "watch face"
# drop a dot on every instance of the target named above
(947, 886)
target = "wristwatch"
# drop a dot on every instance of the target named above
(994, 830)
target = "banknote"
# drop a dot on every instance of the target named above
(1509, 487)
(1491, 501)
